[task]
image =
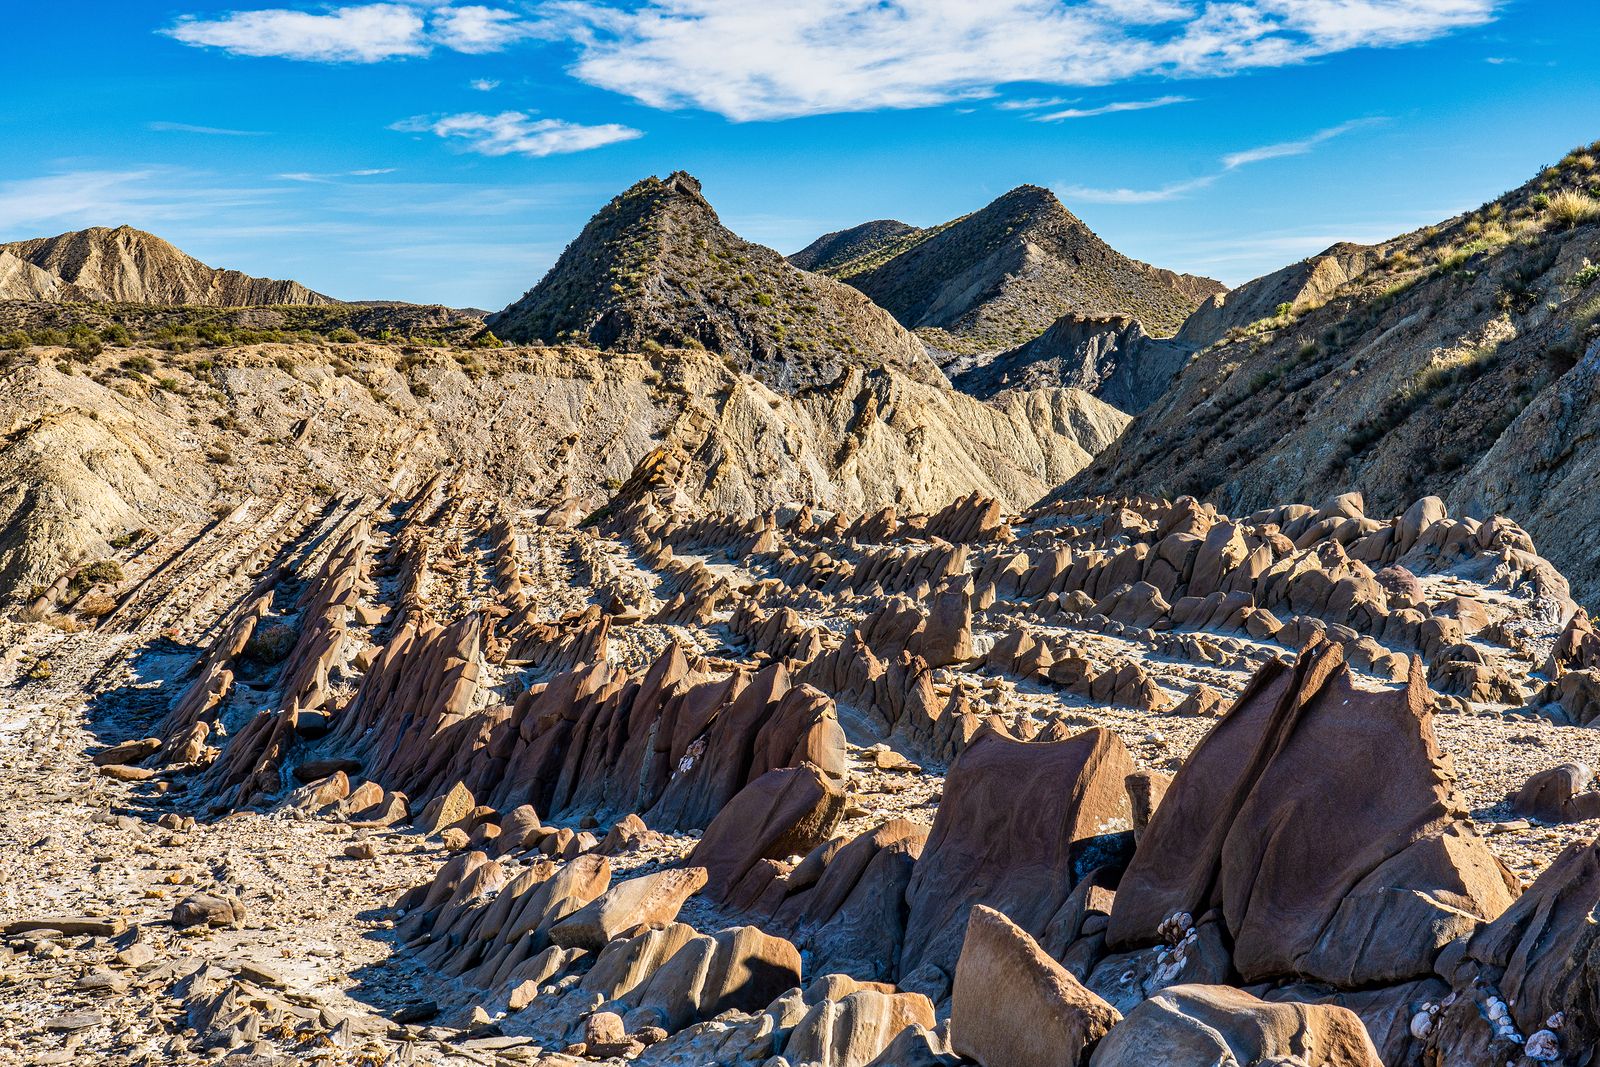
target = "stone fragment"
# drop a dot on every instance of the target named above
(1201, 1026)
(1014, 1006)
(628, 907)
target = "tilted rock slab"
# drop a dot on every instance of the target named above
(1321, 867)
(1019, 825)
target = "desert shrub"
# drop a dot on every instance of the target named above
(344, 335)
(138, 365)
(1569, 209)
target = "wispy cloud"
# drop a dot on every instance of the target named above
(358, 33)
(753, 62)
(1112, 108)
(517, 133)
(307, 176)
(1173, 191)
(1230, 162)
(209, 131)
(484, 85)
(1033, 103)
(1234, 160)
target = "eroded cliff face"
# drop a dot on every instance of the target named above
(1444, 362)
(129, 265)
(104, 449)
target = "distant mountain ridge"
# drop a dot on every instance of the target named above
(656, 267)
(126, 265)
(1001, 276)
(833, 251)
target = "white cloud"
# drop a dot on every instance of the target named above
(1112, 108)
(484, 85)
(517, 133)
(358, 33)
(1230, 162)
(308, 176)
(1234, 160)
(210, 131)
(768, 61)
(475, 29)
(363, 34)
(1173, 191)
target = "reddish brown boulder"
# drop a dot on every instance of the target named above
(1202, 1026)
(1321, 868)
(1561, 794)
(1019, 825)
(1014, 1006)
(783, 813)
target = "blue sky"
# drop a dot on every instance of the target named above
(447, 152)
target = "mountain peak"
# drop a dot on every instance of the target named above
(656, 267)
(129, 265)
(1000, 276)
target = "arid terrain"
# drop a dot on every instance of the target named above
(697, 663)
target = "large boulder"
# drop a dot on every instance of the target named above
(1563, 793)
(629, 907)
(784, 812)
(1320, 868)
(1014, 1006)
(1019, 825)
(1204, 1026)
(855, 1029)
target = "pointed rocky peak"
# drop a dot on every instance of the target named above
(1000, 276)
(657, 268)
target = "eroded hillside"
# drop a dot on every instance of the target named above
(1457, 360)
(134, 442)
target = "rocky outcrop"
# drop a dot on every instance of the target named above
(1315, 868)
(1526, 983)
